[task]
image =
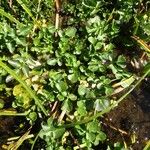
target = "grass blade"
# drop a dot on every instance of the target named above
(142, 43)
(27, 10)
(9, 16)
(27, 88)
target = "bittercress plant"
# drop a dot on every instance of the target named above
(63, 77)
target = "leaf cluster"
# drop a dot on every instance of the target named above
(75, 68)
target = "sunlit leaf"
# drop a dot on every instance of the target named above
(70, 32)
(82, 90)
(61, 86)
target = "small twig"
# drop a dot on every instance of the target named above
(17, 144)
(142, 43)
(61, 116)
(116, 129)
(75, 140)
(13, 138)
(54, 106)
(57, 2)
(10, 3)
(54, 109)
(121, 132)
(57, 17)
(12, 113)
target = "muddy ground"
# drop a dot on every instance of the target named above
(130, 121)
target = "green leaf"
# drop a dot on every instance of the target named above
(121, 61)
(101, 104)
(146, 68)
(52, 62)
(36, 41)
(73, 77)
(127, 82)
(58, 133)
(25, 70)
(90, 94)
(61, 86)
(98, 45)
(50, 132)
(91, 137)
(33, 116)
(26, 9)
(25, 30)
(93, 68)
(10, 47)
(82, 90)
(81, 109)
(14, 63)
(67, 106)
(70, 32)
(108, 90)
(9, 16)
(92, 40)
(113, 68)
(93, 126)
(101, 136)
(60, 97)
(72, 97)
(21, 41)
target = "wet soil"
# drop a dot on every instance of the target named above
(10, 127)
(132, 118)
(6, 129)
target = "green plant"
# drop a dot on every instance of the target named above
(69, 71)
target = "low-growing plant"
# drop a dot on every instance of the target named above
(63, 67)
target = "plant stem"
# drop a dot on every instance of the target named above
(10, 113)
(35, 140)
(142, 43)
(28, 89)
(108, 108)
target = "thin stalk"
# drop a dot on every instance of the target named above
(17, 137)
(27, 88)
(108, 108)
(10, 113)
(35, 140)
(38, 9)
(57, 16)
(111, 15)
(10, 17)
(142, 43)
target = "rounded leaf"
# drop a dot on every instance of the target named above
(61, 86)
(70, 32)
(82, 90)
